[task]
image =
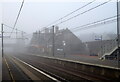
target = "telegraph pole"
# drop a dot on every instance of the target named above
(16, 33)
(118, 37)
(22, 34)
(101, 45)
(53, 40)
(2, 39)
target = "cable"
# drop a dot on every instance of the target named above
(12, 27)
(75, 15)
(84, 12)
(92, 25)
(16, 29)
(81, 13)
(96, 22)
(71, 12)
(17, 17)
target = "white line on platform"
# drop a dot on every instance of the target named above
(38, 70)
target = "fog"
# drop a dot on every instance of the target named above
(35, 16)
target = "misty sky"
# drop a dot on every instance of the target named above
(36, 15)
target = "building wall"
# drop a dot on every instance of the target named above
(73, 44)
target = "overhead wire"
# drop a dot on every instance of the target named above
(67, 15)
(12, 27)
(83, 12)
(17, 17)
(93, 24)
(71, 13)
(79, 14)
(16, 29)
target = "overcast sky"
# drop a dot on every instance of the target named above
(38, 14)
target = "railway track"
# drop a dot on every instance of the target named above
(12, 73)
(46, 77)
(62, 73)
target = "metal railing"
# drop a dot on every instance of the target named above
(109, 46)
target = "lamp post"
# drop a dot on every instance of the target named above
(53, 41)
(64, 47)
(101, 46)
(118, 37)
(2, 40)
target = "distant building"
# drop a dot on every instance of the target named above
(102, 47)
(65, 42)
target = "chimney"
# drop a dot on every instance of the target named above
(56, 29)
(46, 30)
